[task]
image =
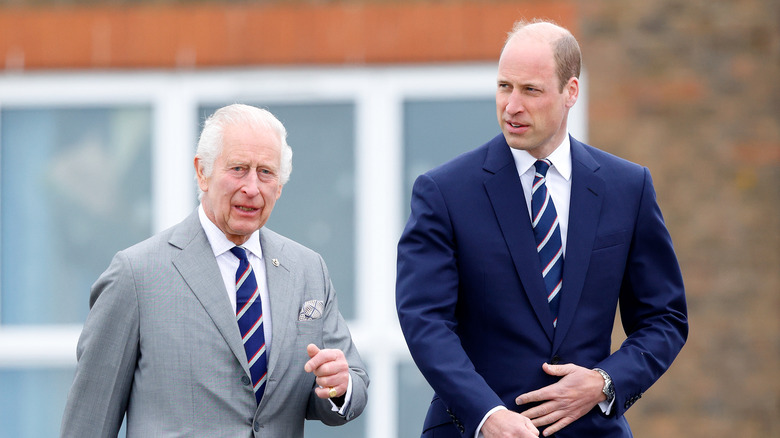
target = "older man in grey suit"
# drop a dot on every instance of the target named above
(162, 343)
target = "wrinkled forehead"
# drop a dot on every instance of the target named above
(251, 137)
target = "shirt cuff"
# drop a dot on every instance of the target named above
(606, 406)
(478, 433)
(347, 397)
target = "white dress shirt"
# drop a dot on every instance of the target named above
(228, 265)
(559, 186)
(558, 181)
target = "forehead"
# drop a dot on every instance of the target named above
(527, 56)
(250, 142)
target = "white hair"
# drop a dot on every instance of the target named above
(210, 142)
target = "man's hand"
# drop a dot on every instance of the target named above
(508, 424)
(331, 369)
(578, 391)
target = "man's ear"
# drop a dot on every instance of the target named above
(202, 181)
(572, 89)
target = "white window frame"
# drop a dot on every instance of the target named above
(175, 96)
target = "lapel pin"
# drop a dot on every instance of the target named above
(275, 262)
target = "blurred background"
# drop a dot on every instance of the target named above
(101, 103)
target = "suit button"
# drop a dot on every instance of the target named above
(245, 380)
(257, 426)
(555, 360)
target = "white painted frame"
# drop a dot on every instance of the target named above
(378, 94)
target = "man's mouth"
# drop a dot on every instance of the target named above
(246, 209)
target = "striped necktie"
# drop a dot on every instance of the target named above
(249, 313)
(548, 237)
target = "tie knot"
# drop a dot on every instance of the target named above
(542, 166)
(239, 252)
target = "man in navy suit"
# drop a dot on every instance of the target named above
(507, 354)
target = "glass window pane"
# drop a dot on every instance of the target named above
(317, 206)
(32, 401)
(414, 398)
(75, 188)
(436, 131)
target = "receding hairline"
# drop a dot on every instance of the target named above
(542, 30)
(564, 47)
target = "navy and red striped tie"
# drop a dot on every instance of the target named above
(249, 313)
(548, 237)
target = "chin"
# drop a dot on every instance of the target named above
(518, 145)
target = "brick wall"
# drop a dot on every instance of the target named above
(168, 34)
(690, 89)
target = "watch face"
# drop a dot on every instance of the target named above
(609, 388)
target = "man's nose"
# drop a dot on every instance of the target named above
(251, 184)
(514, 103)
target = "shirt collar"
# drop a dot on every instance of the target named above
(560, 159)
(220, 244)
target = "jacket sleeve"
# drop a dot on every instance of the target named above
(426, 298)
(652, 307)
(336, 335)
(107, 352)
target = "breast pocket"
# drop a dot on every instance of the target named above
(612, 239)
(607, 262)
(309, 326)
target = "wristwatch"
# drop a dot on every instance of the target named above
(609, 388)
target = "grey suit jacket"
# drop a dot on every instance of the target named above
(161, 344)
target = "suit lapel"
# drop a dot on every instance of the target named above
(198, 268)
(506, 196)
(280, 283)
(585, 206)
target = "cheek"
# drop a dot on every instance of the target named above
(501, 101)
(225, 187)
(547, 113)
(500, 114)
(270, 195)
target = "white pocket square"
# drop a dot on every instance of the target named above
(311, 309)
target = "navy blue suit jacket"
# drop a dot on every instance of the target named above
(472, 302)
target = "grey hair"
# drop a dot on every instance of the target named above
(210, 142)
(566, 50)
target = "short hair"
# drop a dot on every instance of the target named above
(566, 50)
(211, 138)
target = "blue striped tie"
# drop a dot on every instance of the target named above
(548, 237)
(249, 313)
